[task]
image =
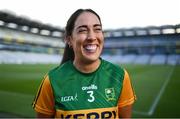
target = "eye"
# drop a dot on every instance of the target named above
(98, 29)
(82, 30)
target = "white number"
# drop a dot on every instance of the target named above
(92, 98)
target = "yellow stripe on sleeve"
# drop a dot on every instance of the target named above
(44, 100)
(127, 96)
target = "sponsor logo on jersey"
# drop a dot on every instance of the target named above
(102, 113)
(69, 98)
(91, 87)
(110, 94)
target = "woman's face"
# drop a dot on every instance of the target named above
(87, 38)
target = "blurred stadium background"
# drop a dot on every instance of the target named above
(29, 49)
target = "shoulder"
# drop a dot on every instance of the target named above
(60, 70)
(112, 67)
(60, 67)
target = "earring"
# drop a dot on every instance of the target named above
(70, 46)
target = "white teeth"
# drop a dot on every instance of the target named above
(91, 47)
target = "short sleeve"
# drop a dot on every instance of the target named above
(127, 96)
(44, 100)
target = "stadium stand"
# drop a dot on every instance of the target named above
(158, 59)
(24, 40)
(11, 57)
(173, 59)
(129, 58)
(142, 59)
(149, 45)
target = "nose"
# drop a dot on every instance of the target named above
(91, 35)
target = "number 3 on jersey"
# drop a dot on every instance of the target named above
(91, 96)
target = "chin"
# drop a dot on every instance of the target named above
(91, 59)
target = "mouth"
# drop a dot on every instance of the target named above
(91, 48)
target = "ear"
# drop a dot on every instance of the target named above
(67, 40)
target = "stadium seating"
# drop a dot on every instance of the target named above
(158, 59)
(9, 57)
(173, 59)
(128, 59)
(142, 59)
(21, 42)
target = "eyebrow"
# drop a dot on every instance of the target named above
(85, 26)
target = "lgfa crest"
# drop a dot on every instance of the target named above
(110, 94)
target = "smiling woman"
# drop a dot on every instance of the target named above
(87, 42)
(104, 88)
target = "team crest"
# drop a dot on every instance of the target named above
(110, 94)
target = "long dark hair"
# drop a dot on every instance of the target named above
(68, 51)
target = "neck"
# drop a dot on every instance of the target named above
(87, 67)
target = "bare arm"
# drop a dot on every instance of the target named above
(125, 112)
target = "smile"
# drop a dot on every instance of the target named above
(90, 47)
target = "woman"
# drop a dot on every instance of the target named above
(85, 85)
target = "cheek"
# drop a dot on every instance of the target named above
(77, 44)
(80, 39)
(101, 39)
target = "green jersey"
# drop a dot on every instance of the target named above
(78, 94)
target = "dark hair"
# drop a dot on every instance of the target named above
(68, 51)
